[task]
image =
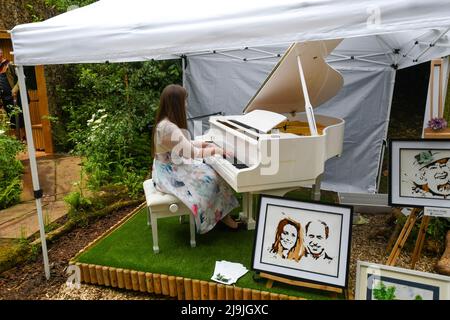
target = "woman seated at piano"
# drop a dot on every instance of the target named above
(178, 166)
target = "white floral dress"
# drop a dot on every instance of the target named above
(195, 183)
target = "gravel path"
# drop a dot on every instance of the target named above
(369, 242)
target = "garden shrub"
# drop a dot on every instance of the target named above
(104, 113)
(107, 115)
(10, 168)
(435, 233)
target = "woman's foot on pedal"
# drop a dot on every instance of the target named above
(229, 222)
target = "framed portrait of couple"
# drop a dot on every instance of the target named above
(419, 173)
(306, 241)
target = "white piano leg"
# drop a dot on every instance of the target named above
(247, 211)
(316, 188)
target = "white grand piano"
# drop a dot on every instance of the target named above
(278, 144)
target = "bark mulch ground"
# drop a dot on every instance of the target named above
(27, 281)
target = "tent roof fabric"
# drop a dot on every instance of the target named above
(137, 30)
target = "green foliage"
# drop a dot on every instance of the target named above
(63, 5)
(106, 113)
(81, 207)
(418, 297)
(381, 292)
(34, 15)
(10, 168)
(77, 201)
(437, 228)
(15, 253)
(436, 231)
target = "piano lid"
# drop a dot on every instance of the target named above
(282, 90)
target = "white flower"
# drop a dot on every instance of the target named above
(98, 121)
(2, 131)
(101, 110)
(103, 116)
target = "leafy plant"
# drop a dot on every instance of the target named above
(63, 5)
(382, 292)
(106, 117)
(104, 113)
(32, 11)
(77, 201)
(436, 231)
(10, 168)
(437, 228)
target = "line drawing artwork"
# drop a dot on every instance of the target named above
(316, 235)
(288, 242)
(309, 241)
(297, 240)
(425, 173)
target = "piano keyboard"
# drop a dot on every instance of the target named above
(236, 163)
(224, 160)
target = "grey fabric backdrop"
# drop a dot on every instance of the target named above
(221, 83)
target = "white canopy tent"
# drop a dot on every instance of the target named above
(141, 30)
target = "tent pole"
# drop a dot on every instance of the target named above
(33, 165)
(391, 96)
(183, 66)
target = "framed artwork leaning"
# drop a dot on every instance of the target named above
(419, 173)
(305, 241)
(380, 282)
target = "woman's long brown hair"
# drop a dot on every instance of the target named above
(172, 105)
(298, 250)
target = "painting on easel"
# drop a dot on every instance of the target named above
(420, 173)
(306, 241)
(380, 282)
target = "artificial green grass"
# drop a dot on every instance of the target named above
(130, 247)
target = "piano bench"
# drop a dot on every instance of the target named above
(163, 205)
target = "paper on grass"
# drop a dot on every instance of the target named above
(228, 272)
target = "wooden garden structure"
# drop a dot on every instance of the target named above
(41, 126)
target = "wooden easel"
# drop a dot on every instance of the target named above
(404, 234)
(333, 290)
(428, 134)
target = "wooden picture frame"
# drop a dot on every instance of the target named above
(381, 282)
(304, 241)
(418, 176)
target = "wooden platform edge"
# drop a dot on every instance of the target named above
(122, 221)
(175, 287)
